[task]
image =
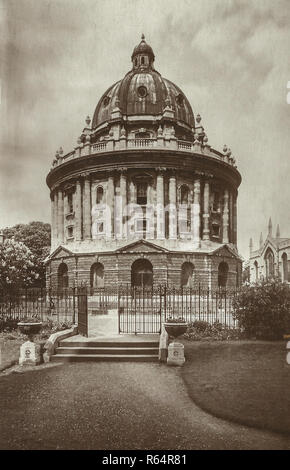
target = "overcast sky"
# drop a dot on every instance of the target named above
(230, 58)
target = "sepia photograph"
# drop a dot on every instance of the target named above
(144, 228)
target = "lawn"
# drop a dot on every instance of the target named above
(243, 381)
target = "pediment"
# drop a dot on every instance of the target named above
(141, 246)
(60, 252)
(227, 252)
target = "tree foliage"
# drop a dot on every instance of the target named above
(263, 309)
(36, 237)
(18, 267)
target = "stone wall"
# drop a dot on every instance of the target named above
(167, 268)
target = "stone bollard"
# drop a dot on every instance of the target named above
(175, 354)
(29, 354)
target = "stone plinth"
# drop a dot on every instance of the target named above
(175, 354)
(29, 354)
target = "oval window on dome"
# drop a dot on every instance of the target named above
(180, 99)
(142, 91)
(106, 101)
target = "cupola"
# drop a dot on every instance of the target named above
(143, 55)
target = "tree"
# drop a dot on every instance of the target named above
(18, 267)
(36, 237)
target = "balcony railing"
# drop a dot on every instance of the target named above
(129, 144)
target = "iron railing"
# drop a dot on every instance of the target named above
(139, 309)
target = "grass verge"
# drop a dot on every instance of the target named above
(247, 382)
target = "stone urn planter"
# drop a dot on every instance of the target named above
(175, 327)
(29, 351)
(30, 328)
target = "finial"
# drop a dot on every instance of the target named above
(270, 227)
(205, 139)
(79, 141)
(198, 118)
(278, 231)
(57, 154)
(225, 149)
(143, 37)
(229, 152)
(88, 120)
(60, 151)
(261, 240)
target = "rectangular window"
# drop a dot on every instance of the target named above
(215, 230)
(70, 232)
(141, 225)
(70, 203)
(216, 202)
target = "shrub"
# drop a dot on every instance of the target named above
(263, 309)
(201, 330)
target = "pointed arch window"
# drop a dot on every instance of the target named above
(269, 261)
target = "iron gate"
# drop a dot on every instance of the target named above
(82, 311)
(139, 310)
(142, 309)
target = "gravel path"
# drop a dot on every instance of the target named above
(113, 406)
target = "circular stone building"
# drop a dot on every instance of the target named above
(143, 199)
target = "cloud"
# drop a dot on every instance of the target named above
(231, 59)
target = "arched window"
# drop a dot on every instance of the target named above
(142, 135)
(286, 268)
(100, 195)
(97, 275)
(142, 273)
(184, 194)
(187, 275)
(142, 60)
(62, 276)
(223, 270)
(142, 193)
(269, 261)
(256, 271)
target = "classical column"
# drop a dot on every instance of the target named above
(196, 213)
(172, 208)
(205, 232)
(60, 218)
(226, 217)
(87, 208)
(53, 218)
(160, 212)
(110, 207)
(150, 212)
(235, 218)
(231, 211)
(78, 211)
(123, 195)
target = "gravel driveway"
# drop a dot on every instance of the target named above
(113, 406)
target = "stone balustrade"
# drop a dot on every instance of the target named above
(161, 143)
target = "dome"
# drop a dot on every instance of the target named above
(143, 91)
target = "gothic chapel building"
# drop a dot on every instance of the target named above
(143, 199)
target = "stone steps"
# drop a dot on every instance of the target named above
(133, 351)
